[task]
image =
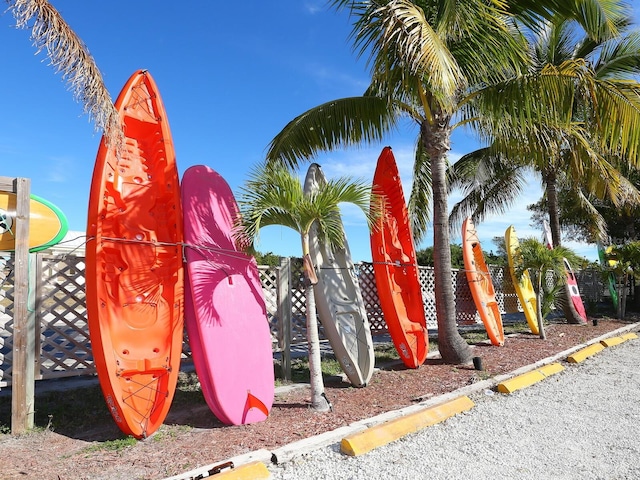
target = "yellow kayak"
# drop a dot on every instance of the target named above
(524, 287)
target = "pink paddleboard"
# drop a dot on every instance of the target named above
(225, 312)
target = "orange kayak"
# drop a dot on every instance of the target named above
(134, 273)
(395, 266)
(480, 284)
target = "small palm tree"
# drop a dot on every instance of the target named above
(540, 261)
(274, 196)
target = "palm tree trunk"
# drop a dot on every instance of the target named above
(550, 179)
(318, 399)
(622, 296)
(436, 140)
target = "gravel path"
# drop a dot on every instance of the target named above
(582, 423)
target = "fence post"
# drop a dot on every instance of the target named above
(21, 394)
(284, 313)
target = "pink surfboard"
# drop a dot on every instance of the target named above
(225, 313)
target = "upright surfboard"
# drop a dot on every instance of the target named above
(611, 277)
(524, 287)
(395, 266)
(225, 312)
(576, 299)
(572, 282)
(480, 283)
(134, 273)
(339, 299)
(47, 224)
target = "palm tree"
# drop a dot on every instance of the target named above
(70, 56)
(429, 59)
(579, 139)
(540, 261)
(274, 196)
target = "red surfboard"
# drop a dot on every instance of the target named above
(395, 266)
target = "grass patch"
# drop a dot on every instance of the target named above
(385, 352)
(170, 432)
(83, 408)
(116, 445)
(477, 335)
(73, 409)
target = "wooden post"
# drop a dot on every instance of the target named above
(284, 314)
(20, 403)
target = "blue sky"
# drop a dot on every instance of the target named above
(231, 75)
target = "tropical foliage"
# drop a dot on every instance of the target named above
(580, 103)
(582, 139)
(441, 64)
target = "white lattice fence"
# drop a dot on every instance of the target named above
(466, 312)
(62, 330)
(62, 338)
(269, 281)
(369, 290)
(6, 318)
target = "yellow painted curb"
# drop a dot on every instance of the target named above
(581, 355)
(521, 381)
(551, 369)
(611, 341)
(248, 471)
(363, 442)
(529, 378)
(630, 336)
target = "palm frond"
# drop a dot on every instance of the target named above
(399, 33)
(70, 57)
(339, 123)
(420, 198)
(619, 58)
(599, 18)
(489, 182)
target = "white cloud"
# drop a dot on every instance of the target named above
(314, 7)
(58, 169)
(339, 80)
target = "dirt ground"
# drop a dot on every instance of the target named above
(192, 437)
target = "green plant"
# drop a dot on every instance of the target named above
(116, 445)
(169, 432)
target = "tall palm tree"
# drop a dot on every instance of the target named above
(70, 57)
(429, 59)
(274, 196)
(578, 142)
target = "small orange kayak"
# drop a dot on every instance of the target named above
(480, 284)
(134, 273)
(395, 266)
